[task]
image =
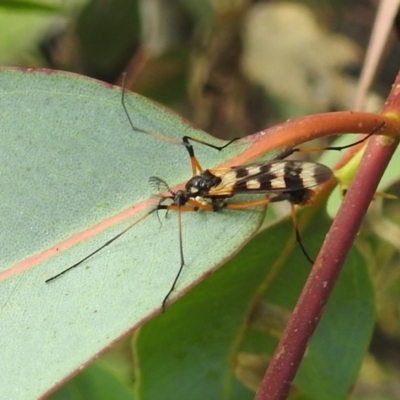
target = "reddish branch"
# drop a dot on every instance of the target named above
(327, 267)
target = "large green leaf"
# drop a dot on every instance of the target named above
(73, 174)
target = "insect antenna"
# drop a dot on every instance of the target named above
(159, 184)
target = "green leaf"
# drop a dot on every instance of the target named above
(329, 158)
(191, 351)
(30, 6)
(24, 24)
(94, 383)
(108, 34)
(73, 175)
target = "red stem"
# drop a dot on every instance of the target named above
(327, 267)
(294, 132)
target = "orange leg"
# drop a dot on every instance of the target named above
(238, 206)
(196, 167)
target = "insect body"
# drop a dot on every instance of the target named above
(286, 179)
(279, 179)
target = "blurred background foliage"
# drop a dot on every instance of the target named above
(232, 67)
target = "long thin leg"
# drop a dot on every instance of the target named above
(196, 167)
(101, 247)
(289, 152)
(297, 232)
(135, 128)
(163, 306)
(255, 203)
(194, 206)
(281, 197)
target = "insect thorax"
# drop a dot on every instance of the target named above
(200, 185)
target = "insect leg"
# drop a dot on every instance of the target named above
(172, 288)
(193, 160)
(300, 197)
(194, 206)
(256, 203)
(297, 233)
(101, 247)
(336, 148)
(135, 128)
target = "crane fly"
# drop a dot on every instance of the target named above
(210, 189)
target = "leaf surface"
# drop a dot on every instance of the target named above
(73, 175)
